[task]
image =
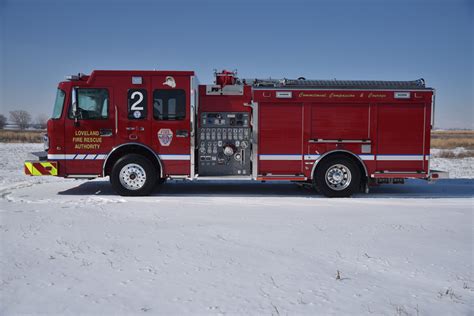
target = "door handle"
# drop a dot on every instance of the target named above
(182, 133)
(105, 132)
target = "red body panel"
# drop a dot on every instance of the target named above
(286, 140)
(336, 121)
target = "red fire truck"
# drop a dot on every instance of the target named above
(143, 127)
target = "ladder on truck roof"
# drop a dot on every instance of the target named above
(336, 84)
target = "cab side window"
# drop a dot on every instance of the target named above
(169, 105)
(92, 104)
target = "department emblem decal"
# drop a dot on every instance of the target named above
(165, 136)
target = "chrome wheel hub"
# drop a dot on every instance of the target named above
(132, 176)
(338, 177)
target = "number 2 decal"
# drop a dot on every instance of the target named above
(137, 107)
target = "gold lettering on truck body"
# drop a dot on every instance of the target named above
(87, 140)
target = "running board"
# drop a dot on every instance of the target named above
(240, 178)
(197, 177)
(82, 176)
(220, 178)
(281, 178)
(386, 175)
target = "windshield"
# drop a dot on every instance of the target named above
(58, 104)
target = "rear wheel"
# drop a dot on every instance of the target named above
(133, 175)
(338, 176)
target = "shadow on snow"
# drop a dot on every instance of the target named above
(447, 188)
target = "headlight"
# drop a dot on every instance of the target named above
(45, 142)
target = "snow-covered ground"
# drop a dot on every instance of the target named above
(73, 247)
(458, 167)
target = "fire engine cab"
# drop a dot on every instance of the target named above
(141, 128)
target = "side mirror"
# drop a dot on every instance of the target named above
(75, 101)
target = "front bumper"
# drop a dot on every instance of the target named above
(38, 155)
(41, 168)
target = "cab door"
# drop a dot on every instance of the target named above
(133, 106)
(90, 134)
(171, 123)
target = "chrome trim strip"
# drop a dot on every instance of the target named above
(76, 156)
(400, 157)
(395, 172)
(368, 127)
(175, 157)
(424, 136)
(340, 141)
(362, 156)
(192, 115)
(178, 177)
(433, 104)
(254, 124)
(240, 178)
(282, 175)
(82, 176)
(311, 157)
(281, 157)
(433, 100)
(116, 120)
(60, 157)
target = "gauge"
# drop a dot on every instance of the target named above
(228, 151)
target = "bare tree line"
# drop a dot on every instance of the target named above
(24, 120)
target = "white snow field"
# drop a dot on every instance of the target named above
(73, 247)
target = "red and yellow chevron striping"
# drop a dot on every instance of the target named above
(41, 168)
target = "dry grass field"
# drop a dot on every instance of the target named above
(11, 136)
(453, 144)
(452, 139)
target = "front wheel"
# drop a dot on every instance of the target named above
(337, 177)
(133, 175)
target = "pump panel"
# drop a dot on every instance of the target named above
(224, 144)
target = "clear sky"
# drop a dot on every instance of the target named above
(43, 41)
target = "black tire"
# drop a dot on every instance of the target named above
(133, 185)
(343, 166)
